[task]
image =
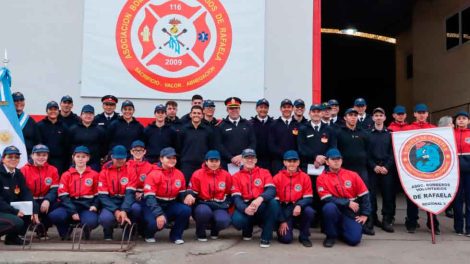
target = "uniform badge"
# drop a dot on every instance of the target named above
(178, 183)
(88, 182)
(147, 187)
(347, 184)
(324, 139)
(124, 181)
(298, 187)
(467, 140)
(222, 185)
(295, 131)
(48, 181)
(17, 190)
(61, 185)
(257, 182)
(142, 177)
(320, 189)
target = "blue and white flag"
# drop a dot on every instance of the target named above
(10, 130)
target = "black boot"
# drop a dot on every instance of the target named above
(387, 225)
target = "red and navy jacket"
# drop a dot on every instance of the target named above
(418, 125)
(138, 170)
(116, 188)
(78, 191)
(211, 187)
(462, 138)
(397, 126)
(295, 188)
(42, 181)
(249, 185)
(341, 188)
(163, 186)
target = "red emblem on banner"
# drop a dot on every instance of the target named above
(176, 46)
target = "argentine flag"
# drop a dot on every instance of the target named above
(10, 130)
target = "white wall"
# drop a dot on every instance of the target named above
(44, 42)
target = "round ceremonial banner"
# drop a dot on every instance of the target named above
(174, 46)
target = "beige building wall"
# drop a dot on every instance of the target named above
(441, 77)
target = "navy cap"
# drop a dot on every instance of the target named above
(52, 104)
(11, 150)
(421, 108)
(88, 109)
(333, 153)
(66, 98)
(212, 154)
(262, 101)
(378, 109)
(333, 102)
(40, 149)
(160, 108)
(286, 102)
(299, 102)
(208, 103)
(127, 103)
(233, 102)
(168, 152)
(291, 155)
(248, 153)
(399, 109)
(360, 102)
(350, 110)
(461, 113)
(316, 107)
(325, 106)
(119, 152)
(81, 149)
(17, 96)
(137, 143)
(109, 99)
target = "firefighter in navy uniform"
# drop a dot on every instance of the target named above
(208, 109)
(335, 118)
(326, 114)
(13, 188)
(234, 134)
(299, 110)
(282, 135)
(195, 100)
(55, 135)
(261, 123)
(380, 166)
(66, 115)
(171, 115)
(364, 120)
(125, 129)
(88, 134)
(109, 114)
(27, 124)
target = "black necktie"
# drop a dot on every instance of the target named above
(235, 123)
(108, 117)
(316, 128)
(262, 122)
(361, 119)
(287, 122)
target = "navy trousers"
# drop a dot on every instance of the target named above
(108, 220)
(204, 216)
(303, 222)
(173, 211)
(62, 220)
(462, 205)
(336, 224)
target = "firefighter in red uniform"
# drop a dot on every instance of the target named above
(399, 119)
(43, 180)
(253, 194)
(346, 204)
(421, 114)
(116, 191)
(78, 195)
(166, 199)
(210, 186)
(294, 192)
(462, 137)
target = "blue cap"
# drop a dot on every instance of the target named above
(159, 108)
(299, 102)
(168, 152)
(461, 113)
(360, 102)
(52, 104)
(333, 102)
(88, 109)
(399, 109)
(291, 155)
(262, 102)
(127, 103)
(137, 143)
(17, 96)
(421, 108)
(350, 110)
(316, 107)
(40, 149)
(11, 150)
(66, 98)
(212, 154)
(208, 103)
(119, 152)
(333, 153)
(81, 149)
(248, 153)
(325, 106)
(286, 102)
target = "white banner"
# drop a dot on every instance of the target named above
(172, 49)
(428, 166)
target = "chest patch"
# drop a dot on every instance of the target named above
(124, 181)
(258, 182)
(178, 183)
(298, 187)
(222, 185)
(48, 181)
(88, 182)
(348, 184)
(142, 177)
